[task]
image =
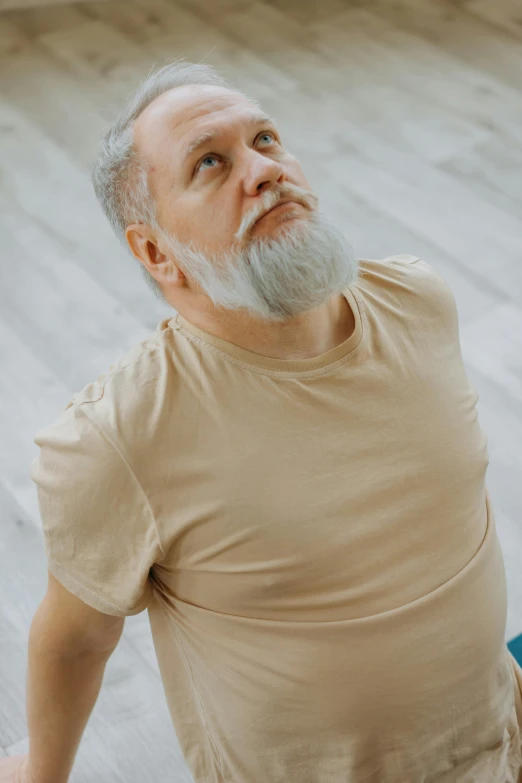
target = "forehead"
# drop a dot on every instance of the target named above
(173, 119)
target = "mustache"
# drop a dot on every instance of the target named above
(270, 199)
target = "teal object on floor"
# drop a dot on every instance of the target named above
(515, 648)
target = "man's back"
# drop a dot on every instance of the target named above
(313, 539)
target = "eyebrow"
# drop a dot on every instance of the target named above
(209, 136)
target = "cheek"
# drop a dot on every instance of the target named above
(296, 173)
(210, 226)
(218, 224)
(207, 225)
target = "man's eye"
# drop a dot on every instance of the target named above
(207, 162)
(266, 138)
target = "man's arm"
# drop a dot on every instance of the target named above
(69, 646)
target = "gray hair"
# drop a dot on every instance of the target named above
(119, 175)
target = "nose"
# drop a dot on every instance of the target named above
(261, 173)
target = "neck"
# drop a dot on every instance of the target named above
(304, 337)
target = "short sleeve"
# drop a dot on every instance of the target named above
(100, 536)
(436, 286)
(404, 258)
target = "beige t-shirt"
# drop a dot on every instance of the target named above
(313, 539)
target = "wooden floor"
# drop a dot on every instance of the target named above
(406, 115)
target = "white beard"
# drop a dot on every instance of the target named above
(274, 279)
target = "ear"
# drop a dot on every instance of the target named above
(144, 245)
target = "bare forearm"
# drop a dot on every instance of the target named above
(62, 688)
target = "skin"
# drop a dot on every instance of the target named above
(208, 207)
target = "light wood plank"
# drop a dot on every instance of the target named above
(281, 40)
(37, 397)
(35, 85)
(48, 202)
(138, 633)
(25, 4)
(22, 585)
(35, 21)
(101, 59)
(492, 169)
(48, 302)
(377, 69)
(458, 32)
(307, 13)
(381, 52)
(493, 344)
(505, 14)
(11, 38)
(165, 32)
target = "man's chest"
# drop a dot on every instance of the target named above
(342, 505)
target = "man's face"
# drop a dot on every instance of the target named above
(212, 154)
(219, 174)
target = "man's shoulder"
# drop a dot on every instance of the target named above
(401, 258)
(398, 267)
(397, 260)
(131, 373)
(415, 281)
(119, 401)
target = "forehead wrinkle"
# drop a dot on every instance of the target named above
(164, 119)
(209, 136)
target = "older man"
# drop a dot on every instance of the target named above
(288, 474)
